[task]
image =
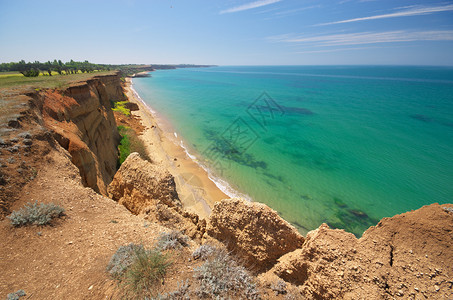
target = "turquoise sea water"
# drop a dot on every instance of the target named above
(341, 145)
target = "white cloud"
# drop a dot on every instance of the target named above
(336, 50)
(248, 6)
(362, 38)
(414, 11)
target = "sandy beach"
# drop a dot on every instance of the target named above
(197, 192)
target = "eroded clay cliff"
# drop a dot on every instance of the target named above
(81, 120)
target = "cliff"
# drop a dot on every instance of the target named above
(81, 120)
(60, 145)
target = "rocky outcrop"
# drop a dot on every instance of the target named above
(148, 189)
(409, 255)
(139, 184)
(81, 120)
(253, 231)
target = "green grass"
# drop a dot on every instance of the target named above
(120, 106)
(138, 270)
(14, 79)
(125, 144)
(129, 143)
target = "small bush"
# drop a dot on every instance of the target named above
(204, 252)
(122, 259)
(138, 270)
(16, 295)
(129, 143)
(221, 277)
(35, 214)
(172, 240)
(125, 145)
(147, 269)
(181, 293)
(121, 107)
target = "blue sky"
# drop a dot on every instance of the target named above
(263, 32)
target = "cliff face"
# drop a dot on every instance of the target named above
(82, 122)
(253, 231)
(138, 184)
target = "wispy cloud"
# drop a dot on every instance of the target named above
(248, 6)
(414, 11)
(361, 38)
(296, 10)
(335, 50)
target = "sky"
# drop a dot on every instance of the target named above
(229, 32)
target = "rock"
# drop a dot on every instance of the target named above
(253, 231)
(391, 254)
(131, 106)
(139, 184)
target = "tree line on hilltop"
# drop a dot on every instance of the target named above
(33, 69)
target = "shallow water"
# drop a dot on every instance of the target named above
(341, 145)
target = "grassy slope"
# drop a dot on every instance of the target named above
(11, 79)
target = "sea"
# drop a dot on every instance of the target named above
(342, 145)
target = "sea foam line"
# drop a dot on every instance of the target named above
(223, 185)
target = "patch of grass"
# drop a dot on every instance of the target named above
(122, 259)
(56, 81)
(130, 143)
(138, 270)
(172, 240)
(120, 106)
(125, 145)
(35, 214)
(221, 277)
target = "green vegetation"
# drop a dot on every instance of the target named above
(32, 69)
(130, 143)
(138, 270)
(172, 240)
(125, 145)
(11, 79)
(221, 277)
(34, 214)
(120, 106)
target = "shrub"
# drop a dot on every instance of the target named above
(204, 252)
(147, 269)
(35, 214)
(220, 276)
(16, 295)
(138, 270)
(121, 107)
(125, 145)
(122, 259)
(129, 143)
(172, 240)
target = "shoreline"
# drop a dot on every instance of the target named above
(197, 191)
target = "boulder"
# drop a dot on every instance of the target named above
(139, 184)
(253, 231)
